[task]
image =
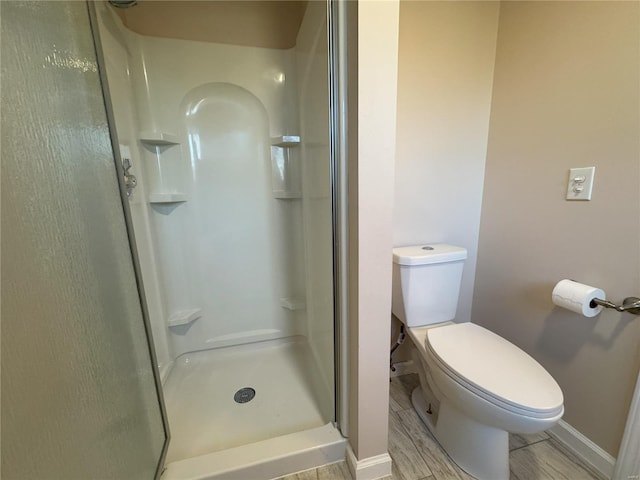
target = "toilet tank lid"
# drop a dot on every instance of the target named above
(428, 254)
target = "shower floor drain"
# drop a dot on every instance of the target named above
(244, 395)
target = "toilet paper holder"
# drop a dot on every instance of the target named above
(629, 304)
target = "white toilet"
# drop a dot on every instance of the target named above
(475, 386)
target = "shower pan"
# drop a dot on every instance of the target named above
(226, 145)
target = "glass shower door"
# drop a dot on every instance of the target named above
(80, 396)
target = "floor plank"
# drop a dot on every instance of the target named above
(410, 381)
(395, 474)
(543, 461)
(522, 440)
(334, 471)
(400, 390)
(442, 468)
(306, 475)
(406, 457)
(393, 405)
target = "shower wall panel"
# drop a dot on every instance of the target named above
(120, 48)
(231, 250)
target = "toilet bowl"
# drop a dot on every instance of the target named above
(475, 386)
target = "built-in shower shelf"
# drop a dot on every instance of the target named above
(285, 141)
(168, 198)
(293, 303)
(286, 195)
(184, 317)
(158, 138)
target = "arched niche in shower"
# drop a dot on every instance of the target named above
(238, 236)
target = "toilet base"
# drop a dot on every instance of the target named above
(479, 450)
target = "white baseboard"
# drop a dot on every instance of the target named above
(403, 368)
(598, 461)
(368, 468)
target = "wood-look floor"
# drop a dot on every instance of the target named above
(417, 456)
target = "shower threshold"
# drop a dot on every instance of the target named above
(264, 460)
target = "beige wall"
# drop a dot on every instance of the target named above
(445, 77)
(371, 192)
(565, 95)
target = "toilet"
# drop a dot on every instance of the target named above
(475, 386)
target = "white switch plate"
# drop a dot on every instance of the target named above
(580, 183)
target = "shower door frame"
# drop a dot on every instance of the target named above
(337, 70)
(113, 135)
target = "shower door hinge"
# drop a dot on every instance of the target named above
(130, 180)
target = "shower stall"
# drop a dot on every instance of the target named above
(222, 116)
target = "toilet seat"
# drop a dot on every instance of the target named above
(493, 368)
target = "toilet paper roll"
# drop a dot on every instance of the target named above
(577, 297)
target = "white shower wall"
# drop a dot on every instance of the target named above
(232, 249)
(120, 49)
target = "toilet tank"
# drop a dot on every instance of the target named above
(426, 283)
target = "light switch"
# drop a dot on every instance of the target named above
(580, 183)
